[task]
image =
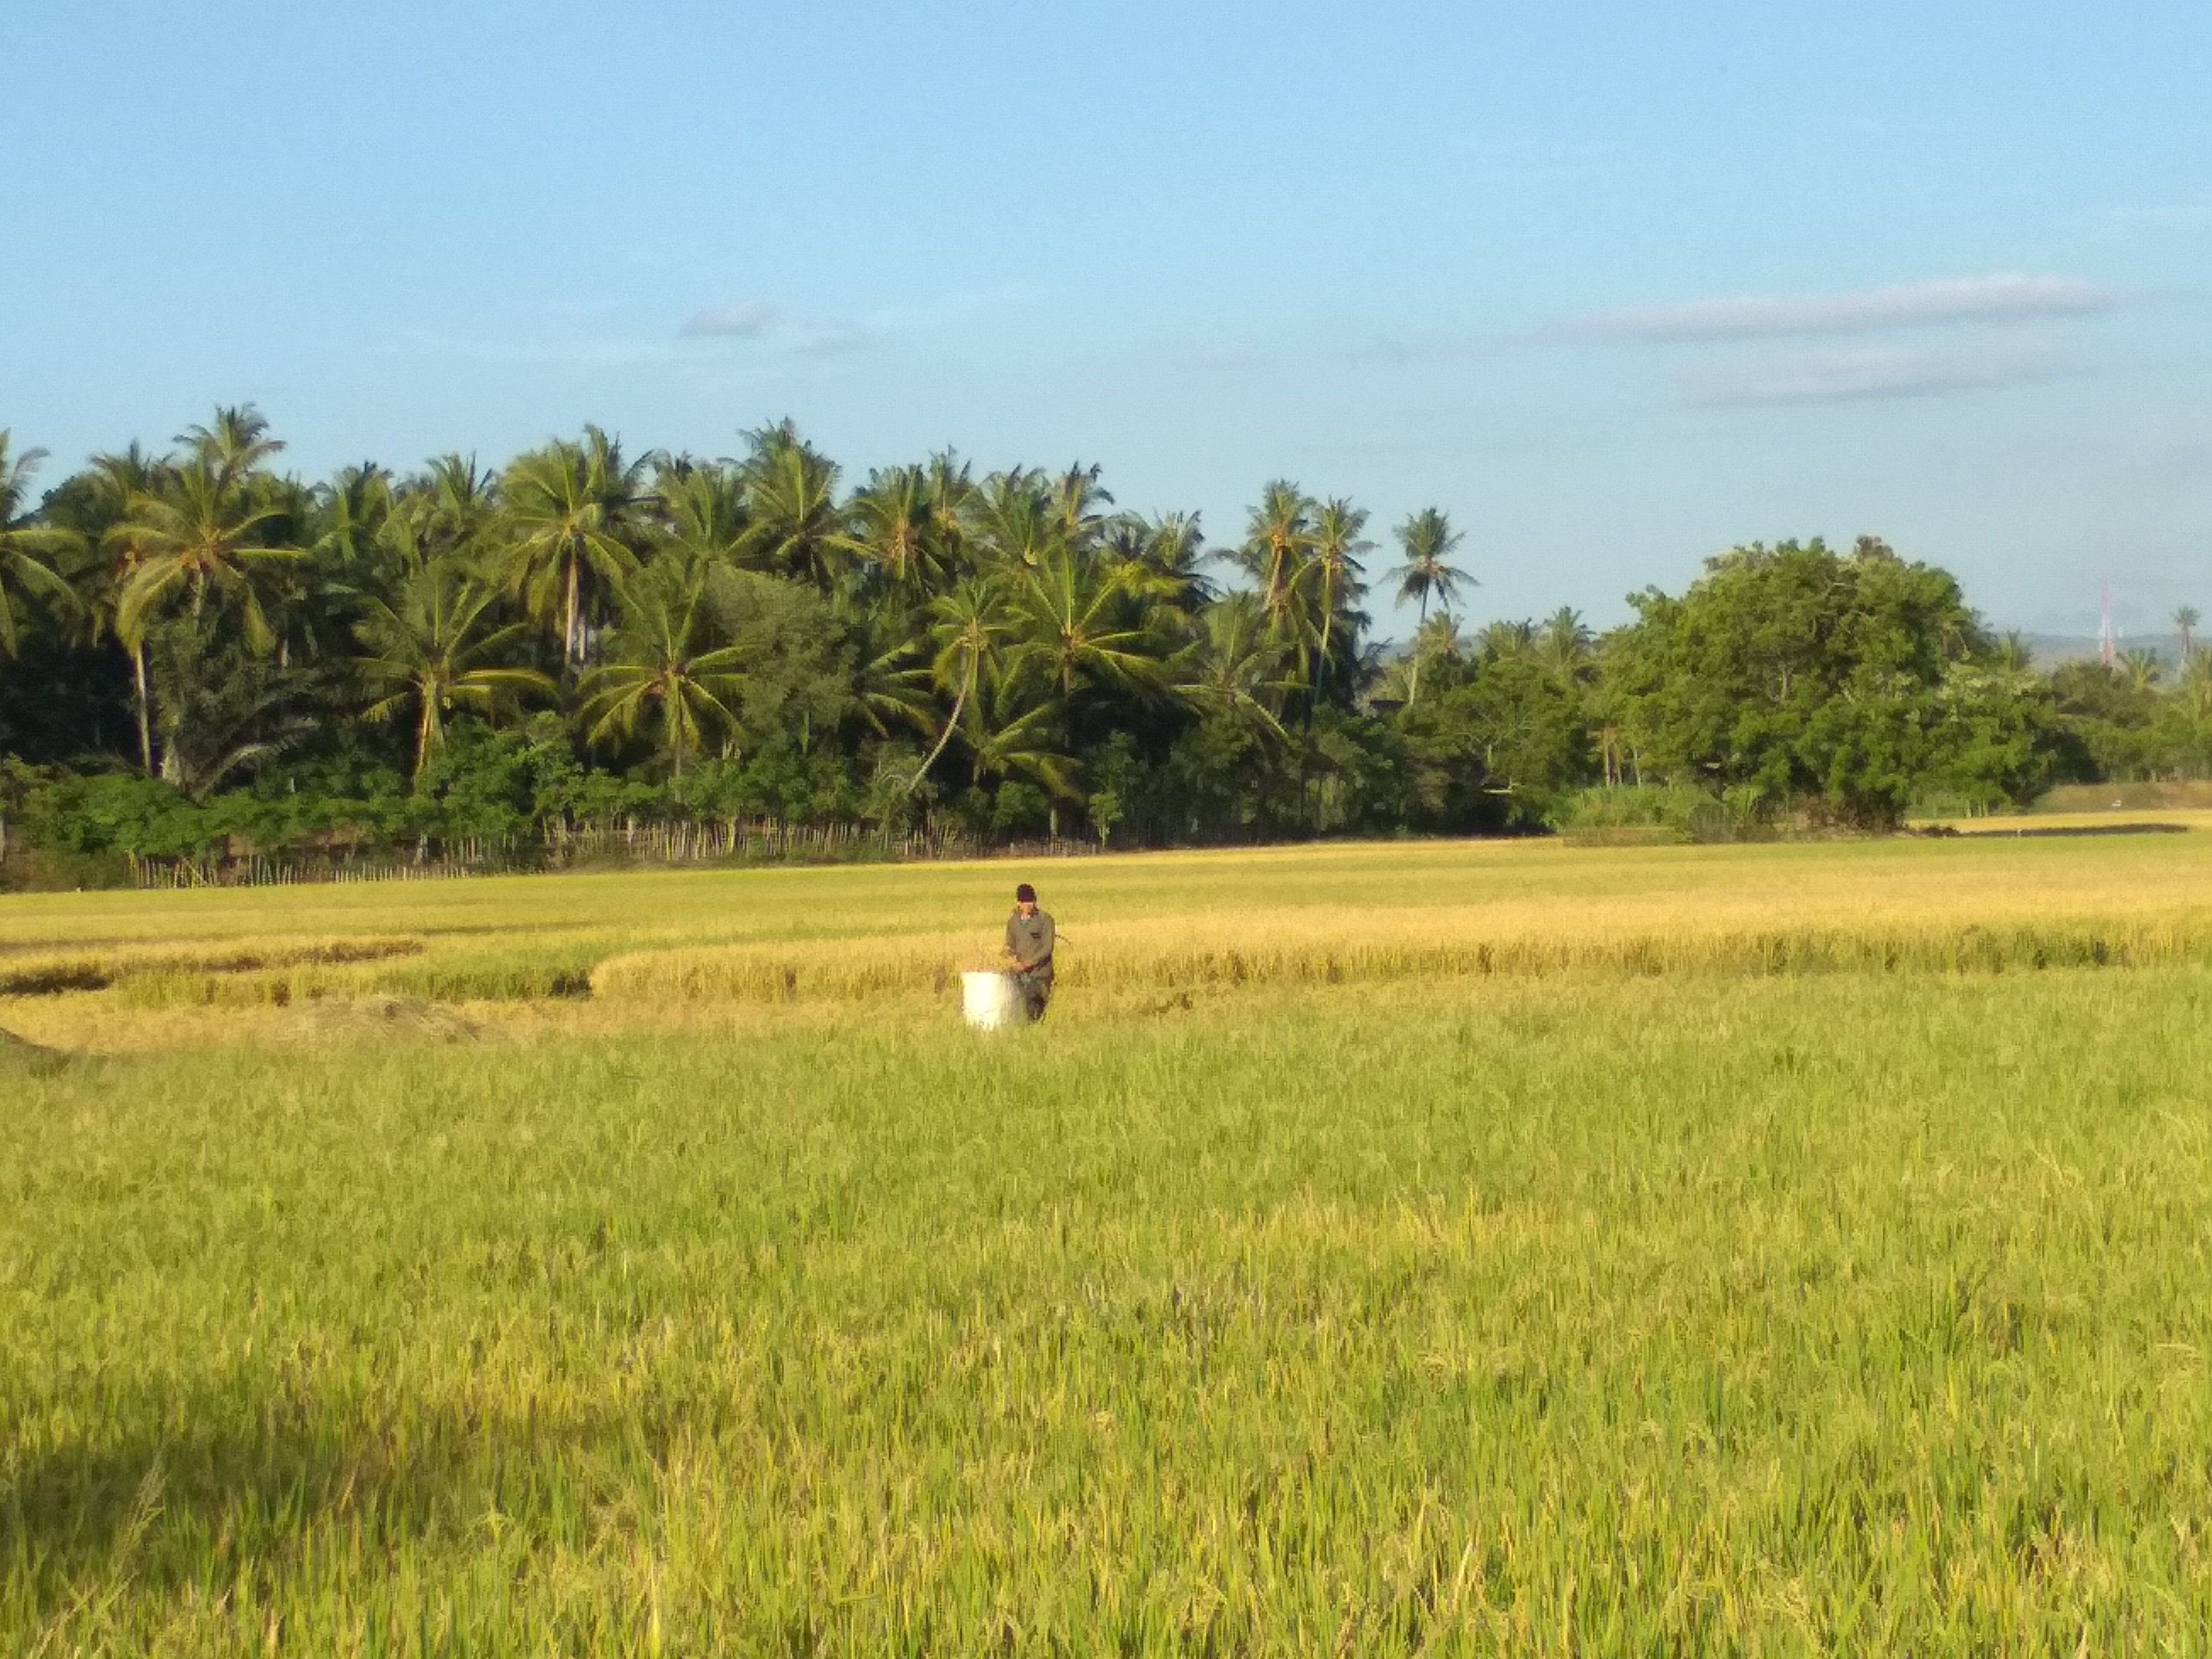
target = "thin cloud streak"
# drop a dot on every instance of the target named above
(1938, 303)
(1864, 373)
(765, 322)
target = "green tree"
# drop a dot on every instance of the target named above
(1334, 574)
(109, 486)
(1161, 561)
(1565, 645)
(1233, 671)
(797, 527)
(354, 505)
(1278, 540)
(28, 548)
(968, 629)
(703, 507)
(452, 507)
(1077, 501)
(1005, 740)
(665, 671)
(1796, 673)
(1427, 576)
(896, 530)
(571, 518)
(202, 529)
(435, 647)
(949, 491)
(1073, 622)
(1013, 521)
(2142, 669)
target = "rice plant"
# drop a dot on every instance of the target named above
(1657, 1289)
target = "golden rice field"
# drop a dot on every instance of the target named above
(1168, 922)
(1413, 1249)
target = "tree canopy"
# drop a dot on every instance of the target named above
(200, 652)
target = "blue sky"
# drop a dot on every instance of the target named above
(1616, 285)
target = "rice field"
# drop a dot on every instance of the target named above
(1421, 1249)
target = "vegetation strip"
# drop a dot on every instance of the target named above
(216, 672)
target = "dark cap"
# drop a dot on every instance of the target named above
(1025, 894)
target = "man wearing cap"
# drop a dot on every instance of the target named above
(1028, 942)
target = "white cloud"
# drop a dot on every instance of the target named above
(1852, 373)
(2004, 298)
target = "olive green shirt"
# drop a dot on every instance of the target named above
(1029, 940)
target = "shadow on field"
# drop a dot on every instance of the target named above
(20, 1055)
(193, 1489)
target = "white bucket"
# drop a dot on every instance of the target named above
(988, 1001)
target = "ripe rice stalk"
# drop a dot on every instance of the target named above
(1311, 947)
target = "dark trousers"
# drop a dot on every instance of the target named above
(1036, 986)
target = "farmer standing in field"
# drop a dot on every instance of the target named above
(1028, 942)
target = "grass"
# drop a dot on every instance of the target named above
(1596, 1303)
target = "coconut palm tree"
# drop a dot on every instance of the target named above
(1564, 642)
(1437, 641)
(202, 529)
(114, 481)
(235, 445)
(354, 508)
(2196, 685)
(434, 647)
(1334, 570)
(1503, 641)
(968, 629)
(797, 527)
(1013, 519)
(704, 509)
(1279, 539)
(1161, 561)
(571, 520)
(663, 670)
(452, 506)
(1073, 619)
(26, 548)
(1077, 497)
(2184, 621)
(1233, 670)
(890, 681)
(949, 484)
(224, 709)
(1427, 574)
(1003, 743)
(2141, 669)
(893, 524)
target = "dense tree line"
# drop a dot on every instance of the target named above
(199, 651)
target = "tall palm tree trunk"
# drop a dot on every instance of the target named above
(951, 724)
(571, 646)
(1413, 687)
(426, 732)
(145, 717)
